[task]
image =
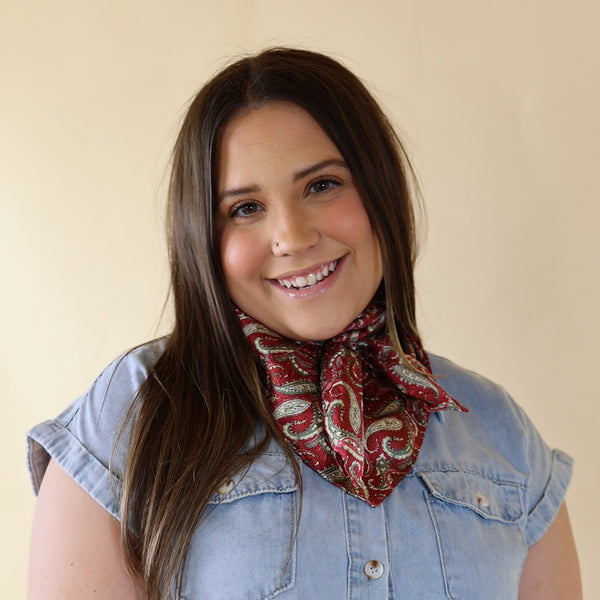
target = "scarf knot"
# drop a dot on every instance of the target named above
(351, 407)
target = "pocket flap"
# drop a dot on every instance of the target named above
(490, 498)
(271, 472)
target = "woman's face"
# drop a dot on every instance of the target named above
(297, 247)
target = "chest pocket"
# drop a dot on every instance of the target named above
(478, 526)
(244, 548)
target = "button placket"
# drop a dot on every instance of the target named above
(367, 545)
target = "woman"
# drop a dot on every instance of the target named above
(288, 439)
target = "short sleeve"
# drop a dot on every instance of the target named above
(551, 471)
(546, 471)
(496, 438)
(88, 439)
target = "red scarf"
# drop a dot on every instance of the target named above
(351, 407)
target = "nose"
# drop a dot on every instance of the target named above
(293, 233)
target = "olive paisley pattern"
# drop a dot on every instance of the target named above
(351, 407)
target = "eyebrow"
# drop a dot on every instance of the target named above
(328, 162)
(252, 189)
(241, 191)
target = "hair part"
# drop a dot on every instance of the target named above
(196, 413)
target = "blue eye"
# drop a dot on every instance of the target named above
(245, 209)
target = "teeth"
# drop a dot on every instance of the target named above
(311, 278)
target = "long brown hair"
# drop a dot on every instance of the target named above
(203, 398)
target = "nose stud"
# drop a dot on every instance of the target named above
(276, 245)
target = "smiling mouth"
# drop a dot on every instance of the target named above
(310, 279)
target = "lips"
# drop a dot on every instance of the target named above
(311, 278)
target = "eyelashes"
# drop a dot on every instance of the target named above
(245, 209)
(323, 184)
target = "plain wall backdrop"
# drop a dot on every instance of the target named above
(497, 103)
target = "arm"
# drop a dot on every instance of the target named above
(551, 569)
(75, 551)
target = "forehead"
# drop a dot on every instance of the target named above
(257, 120)
(276, 135)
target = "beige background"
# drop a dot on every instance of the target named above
(498, 103)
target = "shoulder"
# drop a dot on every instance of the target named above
(102, 408)
(461, 381)
(126, 373)
(116, 385)
(488, 403)
(494, 421)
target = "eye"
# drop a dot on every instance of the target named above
(323, 185)
(245, 209)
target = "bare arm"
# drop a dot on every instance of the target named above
(75, 551)
(551, 569)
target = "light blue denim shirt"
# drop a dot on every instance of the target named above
(485, 487)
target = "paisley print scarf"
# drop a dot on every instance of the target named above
(351, 407)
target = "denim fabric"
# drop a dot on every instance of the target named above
(484, 488)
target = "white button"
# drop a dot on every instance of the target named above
(226, 487)
(482, 500)
(374, 569)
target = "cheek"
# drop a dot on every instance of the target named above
(352, 226)
(355, 230)
(241, 257)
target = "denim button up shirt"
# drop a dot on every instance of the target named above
(484, 488)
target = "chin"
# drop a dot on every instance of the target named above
(314, 333)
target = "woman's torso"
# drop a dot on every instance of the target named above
(484, 487)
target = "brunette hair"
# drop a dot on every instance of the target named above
(202, 402)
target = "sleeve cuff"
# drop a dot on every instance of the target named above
(51, 440)
(544, 512)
